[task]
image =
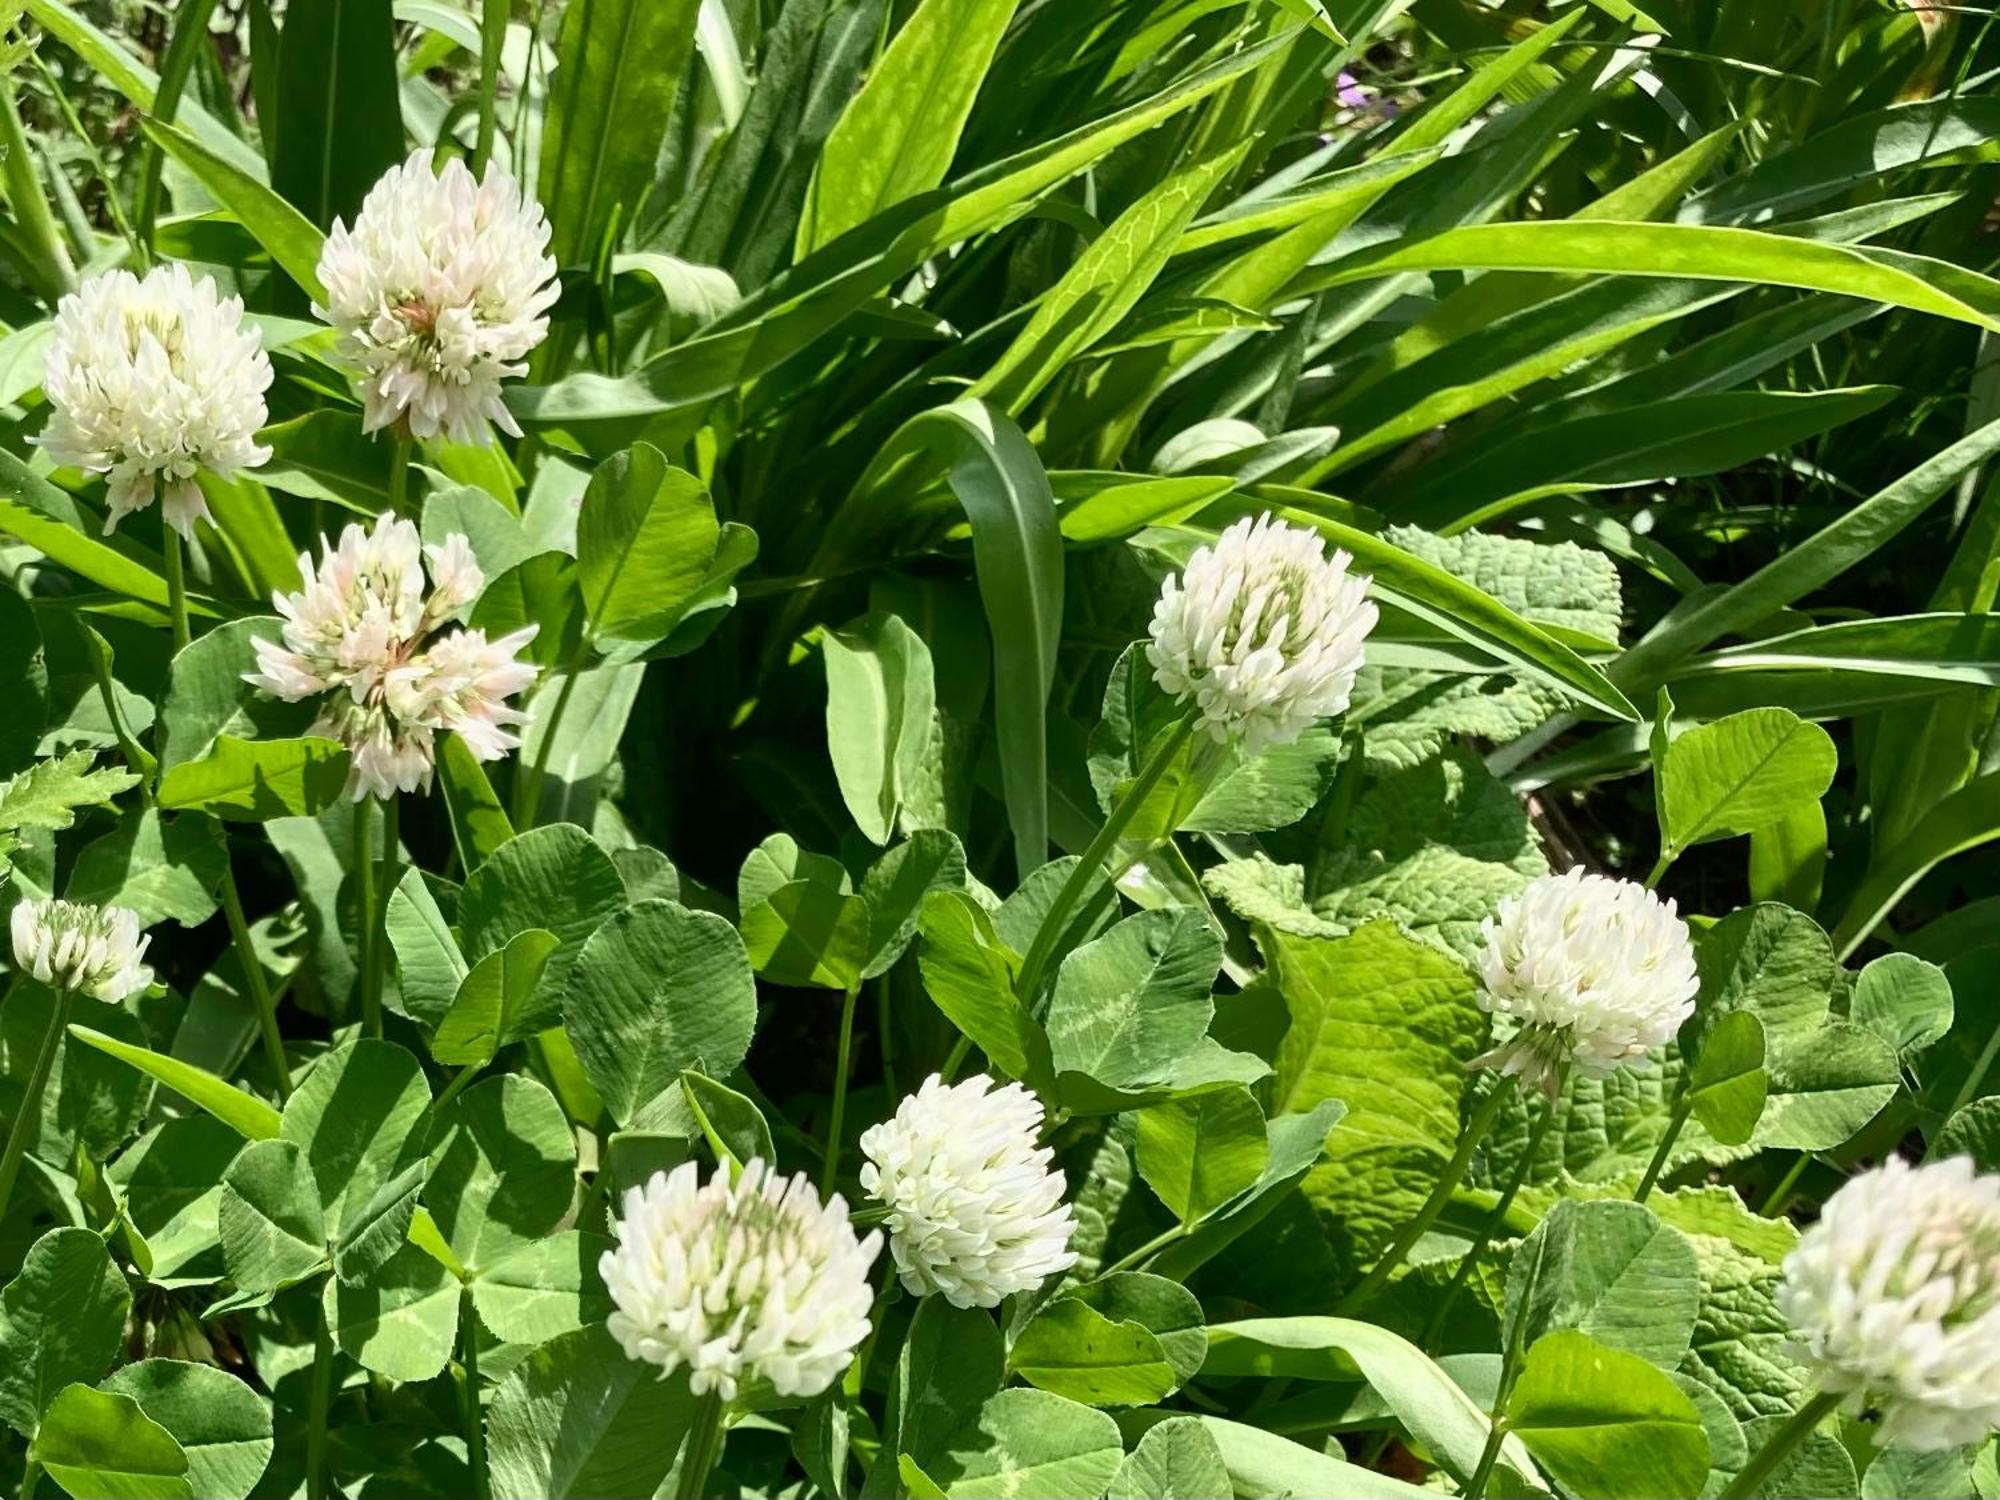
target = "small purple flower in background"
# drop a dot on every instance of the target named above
(1351, 93)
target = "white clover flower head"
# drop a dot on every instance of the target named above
(367, 632)
(975, 1213)
(1894, 1299)
(150, 381)
(1597, 971)
(743, 1282)
(1264, 631)
(440, 291)
(92, 950)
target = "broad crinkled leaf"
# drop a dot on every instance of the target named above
(1740, 1341)
(1385, 1024)
(1436, 846)
(1410, 713)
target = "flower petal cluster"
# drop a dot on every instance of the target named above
(1596, 970)
(92, 950)
(150, 381)
(367, 633)
(747, 1281)
(1894, 1298)
(440, 291)
(1264, 630)
(975, 1213)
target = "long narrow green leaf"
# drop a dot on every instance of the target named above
(1961, 648)
(1428, 1401)
(340, 119)
(1454, 606)
(1107, 279)
(288, 237)
(50, 520)
(190, 34)
(1667, 440)
(812, 298)
(1966, 819)
(1863, 149)
(620, 65)
(1263, 216)
(246, 1114)
(1699, 251)
(1017, 553)
(1792, 575)
(896, 138)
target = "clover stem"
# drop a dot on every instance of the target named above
(955, 1059)
(1782, 1193)
(1490, 1226)
(1042, 950)
(1654, 1167)
(385, 887)
(253, 982)
(704, 1446)
(177, 603)
(882, 1009)
(475, 1421)
(368, 932)
(840, 1065)
(1779, 1445)
(28, 1116)
(1659, 871)
(1447, 1183)
(322, 1398)
(1510, 1371)
(456, 1087)
(1146, 1251)
(528, 789)
(399, 476)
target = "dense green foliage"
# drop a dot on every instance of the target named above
(1646, 359)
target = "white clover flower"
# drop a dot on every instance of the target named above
(749, 1281)
(974, 1211)
(1264, 630)
(1597, 970)
(440, 290)
(93, 950)
(367, 632)
(151, 382)
(1894, 1299)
